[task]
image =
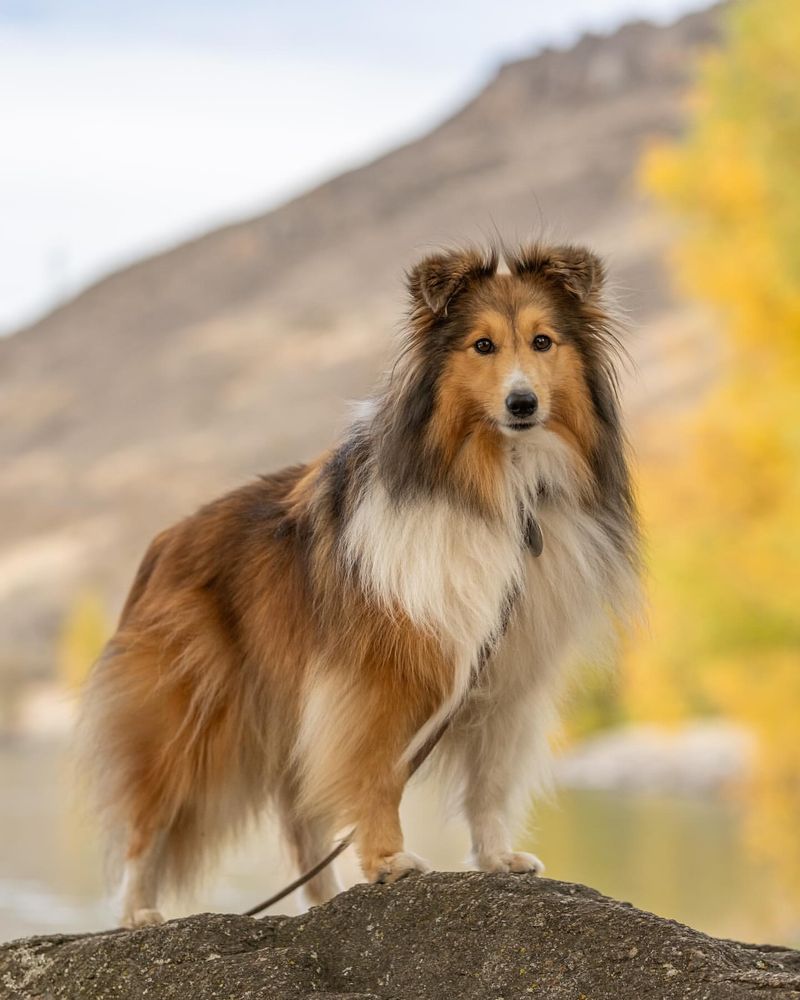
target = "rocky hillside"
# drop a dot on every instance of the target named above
(170, 381)
(471, 936)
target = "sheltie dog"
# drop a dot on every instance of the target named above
(296, 642)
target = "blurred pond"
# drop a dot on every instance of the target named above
(680, 857)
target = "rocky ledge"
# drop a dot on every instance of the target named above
(438, 936)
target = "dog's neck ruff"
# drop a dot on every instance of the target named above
(449, 569)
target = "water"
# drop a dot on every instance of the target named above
(681, 858)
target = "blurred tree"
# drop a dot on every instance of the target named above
(724, 528)
(83, 635)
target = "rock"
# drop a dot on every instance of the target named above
(699, 757)
(437, 936)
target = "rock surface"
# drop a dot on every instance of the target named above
(699, 757)
(438, 936)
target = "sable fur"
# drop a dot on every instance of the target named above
(294, 643)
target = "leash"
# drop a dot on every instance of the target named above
(343, 844)
(535, 542)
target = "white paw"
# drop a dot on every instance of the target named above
(142, 918)
(393, 867)
(511, 861)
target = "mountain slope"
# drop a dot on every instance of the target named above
(173, 379)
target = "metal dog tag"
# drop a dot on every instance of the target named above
(534, 537)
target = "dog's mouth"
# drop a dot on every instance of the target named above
(512, 427)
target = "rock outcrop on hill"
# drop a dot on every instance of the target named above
(431, 937)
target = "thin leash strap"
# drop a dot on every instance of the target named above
(343, 844)
(533, 538)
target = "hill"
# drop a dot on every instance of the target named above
(174, 379)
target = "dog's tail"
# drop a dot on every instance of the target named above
(171, 754)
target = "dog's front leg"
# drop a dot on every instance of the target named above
(494, 756)
(379, 837)
(354, 733)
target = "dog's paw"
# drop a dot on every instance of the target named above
(142, 918)
(393, 867)
(517, 862)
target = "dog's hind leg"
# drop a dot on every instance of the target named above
(309, 838)
(140, 880)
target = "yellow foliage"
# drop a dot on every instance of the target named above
(83, 635)
(724, 524)
(774, 788)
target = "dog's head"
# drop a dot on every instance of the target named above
(515, 350)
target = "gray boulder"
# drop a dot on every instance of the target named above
(433, 936)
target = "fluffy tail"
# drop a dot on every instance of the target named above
(173, 758)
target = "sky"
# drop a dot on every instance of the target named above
(126, 127)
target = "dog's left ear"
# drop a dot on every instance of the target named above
(577, 269)
(437, 279)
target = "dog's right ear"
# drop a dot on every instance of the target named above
(435, 281)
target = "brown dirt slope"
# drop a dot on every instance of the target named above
(170, 381)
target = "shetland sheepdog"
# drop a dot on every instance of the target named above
(294, 643)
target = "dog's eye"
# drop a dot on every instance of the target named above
(541, 342)
(483, 346)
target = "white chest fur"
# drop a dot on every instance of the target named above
(452, 572)
(449, 571)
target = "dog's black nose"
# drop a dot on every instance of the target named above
(521, 404)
